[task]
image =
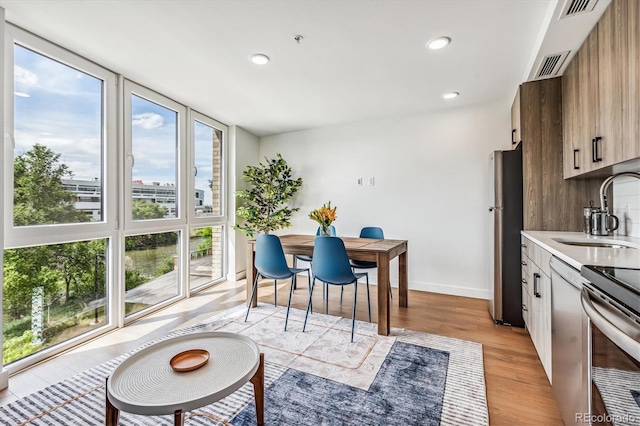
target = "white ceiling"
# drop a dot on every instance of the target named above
(359, 60)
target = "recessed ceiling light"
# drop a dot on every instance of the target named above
(450, 95)
(259, 59)
(22, 94)
(438, 43)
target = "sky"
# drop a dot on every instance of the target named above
(61, 107)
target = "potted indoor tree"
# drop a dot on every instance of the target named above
(265, 207)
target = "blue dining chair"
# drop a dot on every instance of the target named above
(331, 266)
(271, 263)
(332, 233)
(368, 232)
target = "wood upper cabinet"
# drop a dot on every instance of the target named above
(580, 109)
(516, 136)
(545, 191)
(601, 94)
(631, 145)
(572, 163)
(613, 82)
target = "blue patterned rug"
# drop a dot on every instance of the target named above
(311, 378)
(409, 389)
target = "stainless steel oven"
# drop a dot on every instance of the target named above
(611, 301)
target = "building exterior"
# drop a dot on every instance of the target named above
(89, 196)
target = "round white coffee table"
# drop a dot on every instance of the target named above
(145, 383)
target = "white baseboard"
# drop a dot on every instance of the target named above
(449, 289)
(4, 379)
(236, 276)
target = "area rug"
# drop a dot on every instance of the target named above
(314, 378)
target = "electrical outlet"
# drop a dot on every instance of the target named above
(372, 181)
(359, 181)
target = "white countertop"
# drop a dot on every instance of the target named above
(577, 256)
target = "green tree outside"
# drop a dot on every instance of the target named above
(66, 271)
(145, 210)
(39, 196)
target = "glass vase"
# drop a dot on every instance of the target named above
(324, 230)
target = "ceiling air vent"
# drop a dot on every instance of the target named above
(576, 7)
(550, 65)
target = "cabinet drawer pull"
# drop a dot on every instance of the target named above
(524, 281)
(598, 148)
(523, 245)
(536, 278)
(523, 263)
(513, 134)
(524, 308)
(575, 162)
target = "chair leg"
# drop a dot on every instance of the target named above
(253, 293)
(353, 318)
(295, 263)
(275, 293)
(309, 281)
(341, 292)
(326, 300)
(304, 326)
(293, 285)
(368, 297)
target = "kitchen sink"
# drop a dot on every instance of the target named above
(601, 243)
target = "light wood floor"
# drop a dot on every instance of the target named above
(518, 391)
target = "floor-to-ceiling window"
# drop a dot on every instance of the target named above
(155, 143)
(114, 200)
(57, 250)
(206, 212)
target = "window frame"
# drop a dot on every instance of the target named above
(63, 233)
(220, 219)
(24, 236)
(117, 198)
(201, 222)
(133, 227)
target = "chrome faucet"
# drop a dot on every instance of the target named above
(605, 186)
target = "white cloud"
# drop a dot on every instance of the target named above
(24, 76)
(147, 120)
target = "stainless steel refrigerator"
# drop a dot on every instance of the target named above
(505, 224)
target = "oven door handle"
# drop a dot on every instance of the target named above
(624, 342)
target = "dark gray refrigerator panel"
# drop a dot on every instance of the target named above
(505, 302)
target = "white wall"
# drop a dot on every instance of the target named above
(243, 151)
(626, 205)
(431, 177)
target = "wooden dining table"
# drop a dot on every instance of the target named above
(371, 249)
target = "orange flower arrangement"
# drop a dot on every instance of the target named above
(324, 216)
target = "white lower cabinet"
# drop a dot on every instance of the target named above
(536, 302)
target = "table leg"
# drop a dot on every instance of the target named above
(403, 282)
(384, 322)
(178, 418)
(258, 390)
(111, 412)
(251, 273)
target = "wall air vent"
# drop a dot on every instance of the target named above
(550, 65)
(576, 7)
